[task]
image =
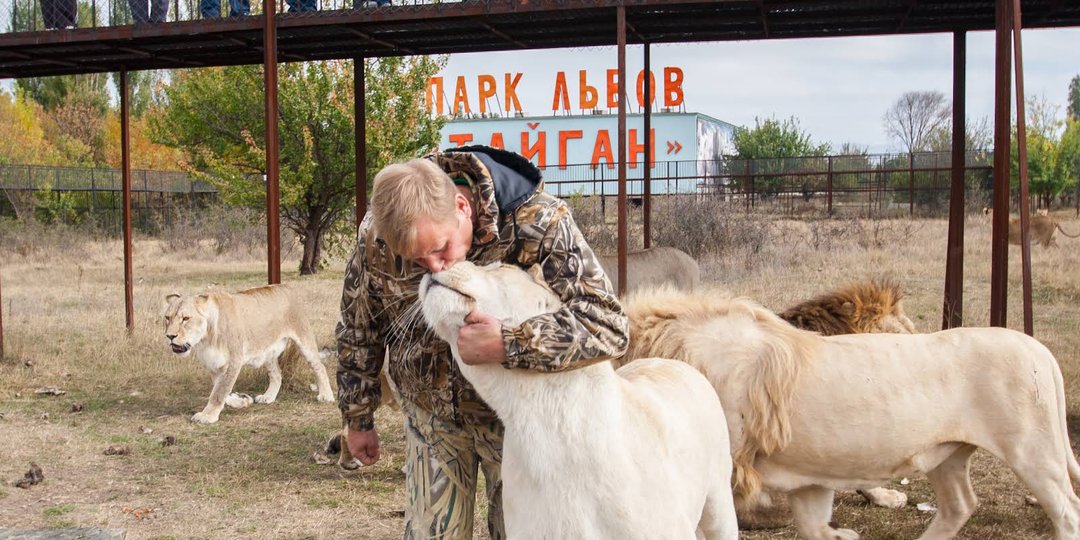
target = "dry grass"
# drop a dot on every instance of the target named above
(251, 475)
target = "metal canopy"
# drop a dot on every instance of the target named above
(491, 25)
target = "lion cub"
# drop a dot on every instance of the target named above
(249, 328)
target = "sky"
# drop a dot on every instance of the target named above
(838, 88)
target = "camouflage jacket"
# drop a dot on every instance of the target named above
(517, 223)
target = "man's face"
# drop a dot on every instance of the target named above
(440, 245)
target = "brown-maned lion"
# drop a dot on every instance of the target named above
(250, 328)
(862, 308)
(809, 414)
(1041, 229)
(654, 267)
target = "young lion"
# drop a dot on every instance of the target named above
(1042, 229)
(249, 328)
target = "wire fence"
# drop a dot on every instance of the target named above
(41, 15)
(157, 197)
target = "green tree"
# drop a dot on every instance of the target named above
(1050, 155)
(1074, 98)
(215, 116)
(766, 145)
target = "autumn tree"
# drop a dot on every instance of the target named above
(215, 117)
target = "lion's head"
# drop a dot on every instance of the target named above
(185, 321)
(503, 291)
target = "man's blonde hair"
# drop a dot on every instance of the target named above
(405, 192)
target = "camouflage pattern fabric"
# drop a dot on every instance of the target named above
(441, 476)
(378, 307)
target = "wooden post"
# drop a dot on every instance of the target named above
(1021, 150)
(125, 172)
(621, 31)
(1, 320)
(999, 253)
(952, 314)
(273, 212)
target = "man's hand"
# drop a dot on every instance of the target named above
(481, 342)
(363, 445)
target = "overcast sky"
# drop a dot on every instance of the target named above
(839, 88)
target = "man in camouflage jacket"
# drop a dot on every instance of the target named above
(449, 430)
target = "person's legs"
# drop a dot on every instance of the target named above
(159, 10)
(239, 8)
(440, 478)
(139, 11)
(210, 9)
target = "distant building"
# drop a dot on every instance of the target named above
(577, 149)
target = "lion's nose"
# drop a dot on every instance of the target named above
(170, 336)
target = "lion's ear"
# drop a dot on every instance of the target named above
(170, 298)
(537, 274)
(847, 308)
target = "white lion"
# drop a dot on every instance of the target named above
(810, 414)
(249, 328)
(641, 453)
(654, 267)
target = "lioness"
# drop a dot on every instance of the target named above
(654, 267)
(1041, 229)
(249, 328)
(810, 414)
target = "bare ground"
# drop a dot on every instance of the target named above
(251, 475)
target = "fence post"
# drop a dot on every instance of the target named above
(746, 185)
(93, 194)
(911, 184)
(828, 187)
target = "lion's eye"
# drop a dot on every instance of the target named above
(185, 319)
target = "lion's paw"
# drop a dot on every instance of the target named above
(887, 498)
(328, 397)
(843, 534)
(263, 398)
(238, 401)
(203, 418)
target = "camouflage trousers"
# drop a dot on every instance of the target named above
(441, 476)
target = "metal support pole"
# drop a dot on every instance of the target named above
(828, 188)
(125, 172)
(1021, 150)
(360, 122)
(952, 314)
(911, 184)
(273, 213)
(621, 30)
(999, 253)
(1, 322)
(647, 192)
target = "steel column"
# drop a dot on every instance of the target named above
(647, 191)
(125, 172)
(621, 30)
(273, 213)
(952, 314)
(1021, 150)
(1, 320)
(360, 121)
(999, 253)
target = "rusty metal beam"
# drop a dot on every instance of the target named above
(647, 191)
(370, 39)
(360, 126)
(146, 54)
(953, 309)
(273, 212)
(501, 34)
(125, 174)
(999, 237)
(620, 24)
(764, 18)
(1021, 151)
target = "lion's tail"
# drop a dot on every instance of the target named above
(1074, 467)
(1058, 225)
